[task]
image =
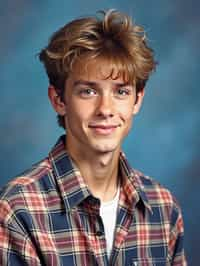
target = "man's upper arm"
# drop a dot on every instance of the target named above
(15, 246)
(176, 241)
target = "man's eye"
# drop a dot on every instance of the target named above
(123, 92)
(87, 92)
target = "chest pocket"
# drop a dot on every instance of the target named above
(151, 262)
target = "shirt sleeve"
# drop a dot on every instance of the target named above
(176, 241)
(16, 248)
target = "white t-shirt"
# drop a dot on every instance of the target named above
(108, 213)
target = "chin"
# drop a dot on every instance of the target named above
(106, 148)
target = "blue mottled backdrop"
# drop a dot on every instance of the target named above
(165, 140)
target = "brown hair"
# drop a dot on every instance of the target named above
(113, 37)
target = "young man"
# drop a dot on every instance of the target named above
(84, 205)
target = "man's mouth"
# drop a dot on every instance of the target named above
(103, 129)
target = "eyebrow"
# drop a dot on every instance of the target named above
(84, 82)
(93, 83)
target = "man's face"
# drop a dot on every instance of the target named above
(98, 109)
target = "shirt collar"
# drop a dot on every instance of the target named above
(69, 180)
(132, 184)
(74, 190)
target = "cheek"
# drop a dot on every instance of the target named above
(126, 112)
(77, 114)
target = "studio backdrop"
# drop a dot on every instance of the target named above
(165, 139)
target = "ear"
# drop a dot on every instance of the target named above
(139, 100)
(55, 99)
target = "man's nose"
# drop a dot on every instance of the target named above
(105, 106)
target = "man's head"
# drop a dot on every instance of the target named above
(111, 38)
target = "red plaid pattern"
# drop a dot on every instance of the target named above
(49, 217)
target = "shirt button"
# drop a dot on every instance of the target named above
(99, 233)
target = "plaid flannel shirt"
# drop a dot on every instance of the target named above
(49, 217)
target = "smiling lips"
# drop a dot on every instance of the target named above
(103, 129)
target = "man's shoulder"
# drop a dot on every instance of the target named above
(155, 192)
(25, 181)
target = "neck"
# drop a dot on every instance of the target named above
(99, 170)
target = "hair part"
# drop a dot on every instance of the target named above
(112, 37)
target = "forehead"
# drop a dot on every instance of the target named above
(100, 69)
